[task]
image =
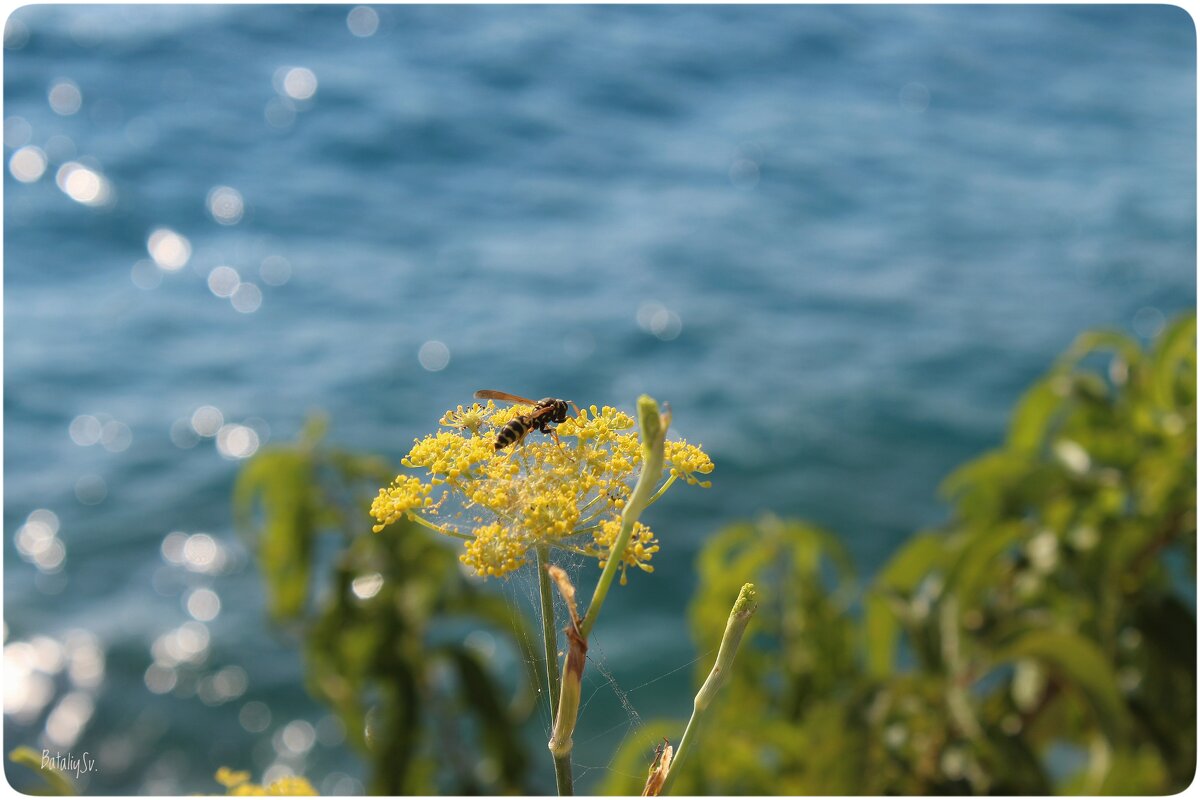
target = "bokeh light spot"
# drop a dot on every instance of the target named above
(299, 83)
(183, 435)
(68, 718)
(85, 430)
(203, 605)
(330, 731)
(169, 249)
(27, 164)
(65, 97)
(200, 552)
(225, 204)
(298, 736)
(115, 436)
(362, 21)
(17, 132)
(16, 34)
(367, 586)
(246, 298)
(207, 420)
(85, 659)
(172, 547)
(255, 716)
(237, 441)
(223, 281)
(160, 678)
(83, 185)
(434, 355)
(658, 320)
(91, 490)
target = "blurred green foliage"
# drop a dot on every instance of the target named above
(1043, 640)
(386, 634)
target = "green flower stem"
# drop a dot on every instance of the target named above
(562, 775)
(743, 609)
(661, 490)
(562, 766)
(654, 432)
(417, 518)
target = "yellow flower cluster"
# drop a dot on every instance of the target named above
(237, 784)
(642, 545)
(504, 502)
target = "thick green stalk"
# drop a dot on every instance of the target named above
(743, 609)
(562, 766)
(654, 432)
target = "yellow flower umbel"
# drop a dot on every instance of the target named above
(238, 784)
(506, 502)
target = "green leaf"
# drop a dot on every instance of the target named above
(920, 556)
(1174, 362)
(282, 483)
(1090, 342)
(56, 783)
(1079, 663)
(1033, 415)
(975, 568)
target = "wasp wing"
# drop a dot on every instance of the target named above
(491, 394)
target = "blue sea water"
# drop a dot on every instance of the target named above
(838, 240)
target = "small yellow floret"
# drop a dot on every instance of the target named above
(292, 787)
(686, 460)
(238, 785)
(470, 420)
(405, 494)
(229, 778)
(494, 551)
(642, 546)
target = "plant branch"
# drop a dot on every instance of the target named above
(562, 766)
(654, 432)
(417, 518)
(743, 609)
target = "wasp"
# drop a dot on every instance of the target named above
(547, 411)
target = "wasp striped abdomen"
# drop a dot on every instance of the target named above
(513, 432)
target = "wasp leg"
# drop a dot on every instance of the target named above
(558, 442)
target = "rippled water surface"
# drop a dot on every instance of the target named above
(838, 240)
